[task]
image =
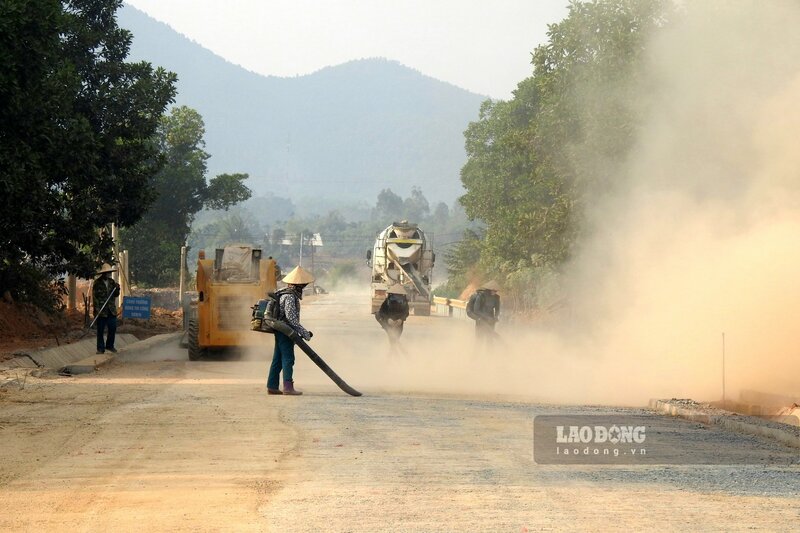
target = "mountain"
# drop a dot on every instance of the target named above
(343, 132)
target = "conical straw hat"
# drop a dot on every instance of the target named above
(491, 286)
(106, 268)
(298, 276)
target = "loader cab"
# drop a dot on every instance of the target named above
(237, 264)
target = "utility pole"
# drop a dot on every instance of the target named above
(116, 274)
(182, 286)
(71, 289)
(301, 248)
(723, 370)
(127, 273)
(313, 283)
(115, 244)
(122, 267)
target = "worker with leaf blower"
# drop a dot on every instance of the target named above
(288, 312)
(104, 292)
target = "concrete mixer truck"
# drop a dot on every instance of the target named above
(402, 254)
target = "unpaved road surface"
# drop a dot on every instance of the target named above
(155, 442)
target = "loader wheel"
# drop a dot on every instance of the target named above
(195, 352)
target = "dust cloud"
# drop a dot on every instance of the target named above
(704, 240)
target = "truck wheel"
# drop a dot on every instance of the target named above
(195, 352)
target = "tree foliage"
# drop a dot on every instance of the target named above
(182, 191)
(535, 161)
(416, 206)
(390, 205)
(462, 261)
(76, 128)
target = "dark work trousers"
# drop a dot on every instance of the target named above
(392, 327)
(282, 359)
(104, 322)
(484, 331)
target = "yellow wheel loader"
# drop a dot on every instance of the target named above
(227, 286)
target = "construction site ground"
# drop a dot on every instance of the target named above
(156, 442)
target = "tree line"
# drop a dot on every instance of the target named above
(346, 235)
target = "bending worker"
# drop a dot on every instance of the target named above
(484, 308)
(393, 312)
(283, 355)
(104, 293)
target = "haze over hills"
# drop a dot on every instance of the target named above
(344, 132)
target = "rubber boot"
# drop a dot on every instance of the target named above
(288, 388)
(273, 391)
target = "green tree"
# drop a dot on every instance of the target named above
(334, 223)
(234, 229)
(462, 263)
(534, 162)
(441, 215)
(76, 123)
(416, 206)
(278, 235)
(182, 189)
(389, 206)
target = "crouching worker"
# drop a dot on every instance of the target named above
(283, 356)
(393, 312)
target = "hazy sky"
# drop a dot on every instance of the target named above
(480, 45)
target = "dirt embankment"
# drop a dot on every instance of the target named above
(24, 327)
